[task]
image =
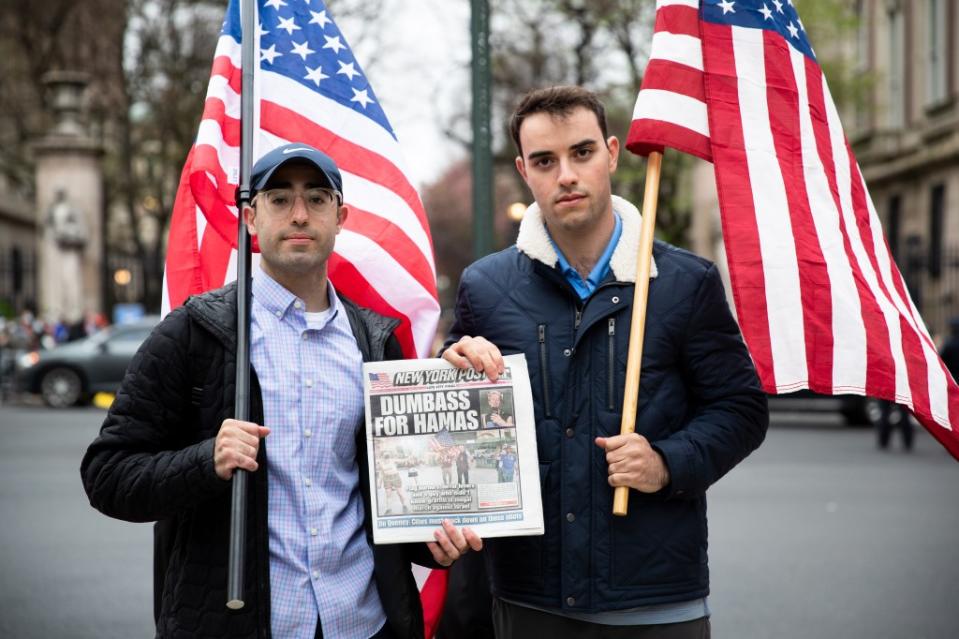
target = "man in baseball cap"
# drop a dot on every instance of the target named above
(310, 548)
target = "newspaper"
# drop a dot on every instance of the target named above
(446, 443)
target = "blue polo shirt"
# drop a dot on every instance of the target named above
(585, 288)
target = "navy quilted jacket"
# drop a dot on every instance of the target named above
(700, 405)
(153, 461)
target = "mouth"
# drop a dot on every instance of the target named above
(570, 198)
(298, 238)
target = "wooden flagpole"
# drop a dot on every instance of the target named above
(637, 327)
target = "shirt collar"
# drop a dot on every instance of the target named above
(586, 288)
(279, 301)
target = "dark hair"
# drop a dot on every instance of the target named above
(556, 101)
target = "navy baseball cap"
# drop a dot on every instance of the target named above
(267, 165)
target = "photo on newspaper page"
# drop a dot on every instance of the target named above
(446, 443)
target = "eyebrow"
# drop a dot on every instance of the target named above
(582, 144)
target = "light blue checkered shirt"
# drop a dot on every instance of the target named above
(311, 381)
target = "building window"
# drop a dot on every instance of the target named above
(937, 56)
(896, 66)
(894, 226)
(937, 209)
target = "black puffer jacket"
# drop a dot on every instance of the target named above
(700, 406)
(153, 461)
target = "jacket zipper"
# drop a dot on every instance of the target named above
(611, 384)
(544, 370)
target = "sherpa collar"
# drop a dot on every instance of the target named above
(533, 240)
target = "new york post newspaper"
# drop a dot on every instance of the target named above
(449, 444)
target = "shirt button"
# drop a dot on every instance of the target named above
(308, 433)
(615, 300)
(570, 432)
(570, 517)
(314, 532)
(305, 336)
(570, 601)
(567, 352)
(279, 313)
(297, 304)
(308, 482)
(309, 383)
(316, 575)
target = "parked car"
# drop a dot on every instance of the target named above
(856, 410)
(75, 371)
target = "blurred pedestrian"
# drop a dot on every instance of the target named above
(892, 417)
(950, 349)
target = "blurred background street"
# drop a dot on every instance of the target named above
(818, 534)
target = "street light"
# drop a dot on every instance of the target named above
(515, 212)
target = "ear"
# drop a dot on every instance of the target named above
(613, 145)
(521, 167)
(341, 214)
(249, 217)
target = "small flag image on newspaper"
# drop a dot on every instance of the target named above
(380, 380)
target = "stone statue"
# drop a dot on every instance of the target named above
(67, 223)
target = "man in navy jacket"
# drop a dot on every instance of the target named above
(563, 297)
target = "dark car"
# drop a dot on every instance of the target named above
(856, 410)
(73, 372)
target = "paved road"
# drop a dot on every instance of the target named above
(818, 535)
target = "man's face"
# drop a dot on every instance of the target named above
(567, 164)
(298, 241)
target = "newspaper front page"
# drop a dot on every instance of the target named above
(446, 443)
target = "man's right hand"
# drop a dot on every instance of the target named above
(236, 446)
(476, 352)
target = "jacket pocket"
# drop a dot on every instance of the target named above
(544, 368)
(611, 365)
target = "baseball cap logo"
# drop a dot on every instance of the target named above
(295, 149)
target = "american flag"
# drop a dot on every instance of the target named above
(308, 88)
(441, 441)
(820, 301)
(380, 380)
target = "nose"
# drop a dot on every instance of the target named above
(567, 173)
(299, 213)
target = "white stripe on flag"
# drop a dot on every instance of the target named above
(219, 87)
(668, 106)
(230, 48)
(849, 331)
(380, 201)
(677, 47)
(331, 115)
(393, 283)
(776, 241)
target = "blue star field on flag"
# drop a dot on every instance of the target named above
(299, 40)
(773, 15)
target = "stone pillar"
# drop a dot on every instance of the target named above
(69, 189)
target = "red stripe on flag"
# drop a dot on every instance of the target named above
(394, 241)
(666, 75)
(350, 281)
(783, 99)
(740, 228)
(348, 156)
(223, 66)
(182, 277)
(647, 136)
(918, 375)
(878, 349)
(433, 597)
(215, 253)
(881, 376)
(678, 19)
(215, 109)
